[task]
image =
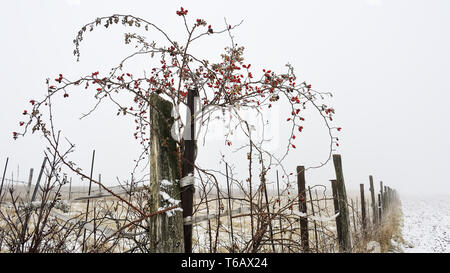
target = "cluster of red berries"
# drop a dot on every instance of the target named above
(60, 78)
(182, 12)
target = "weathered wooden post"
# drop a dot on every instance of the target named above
(386, 190)
(166, 230)
(382, 196)
(304, 233)
(70, 189)
(374, 203)
(336, 210)
(379, 209)
(30, 179)
(99, 181)
(363, 209)
(187, 169)
(346, 243)
(3, 177)
(368, 212)
(36, 188)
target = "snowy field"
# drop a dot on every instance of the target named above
(426, 226)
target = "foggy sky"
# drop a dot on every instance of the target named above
(387, 64)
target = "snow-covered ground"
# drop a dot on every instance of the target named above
(426, 224)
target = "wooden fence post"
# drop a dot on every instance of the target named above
(166, 229)
(343, 205)
(3, 177)
(36, 187)
(379, 208)
(382, 196)
(99, 181)
(363, 209)
(30, 179)
(336, 210)
(374, 203)
(187, 169)
(304, 233)
(70, 189)
(387, 190)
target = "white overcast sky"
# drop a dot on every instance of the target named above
(386, 62)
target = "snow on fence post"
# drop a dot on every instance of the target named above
(336, 210)
(346, 243)
(363, 209)
(374, 203)
(302, 208)
(166, 229)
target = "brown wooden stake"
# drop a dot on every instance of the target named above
(188, 163)
(3, 177)
(70, 189)
(304, 233)
(346, 244)
(374, 203)
(100, 181)
(36, 188)
(382, 196)
(369, 222)
(386, 189)
(379, 208)
(30, 179)
(336, 209)
(363, 209)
